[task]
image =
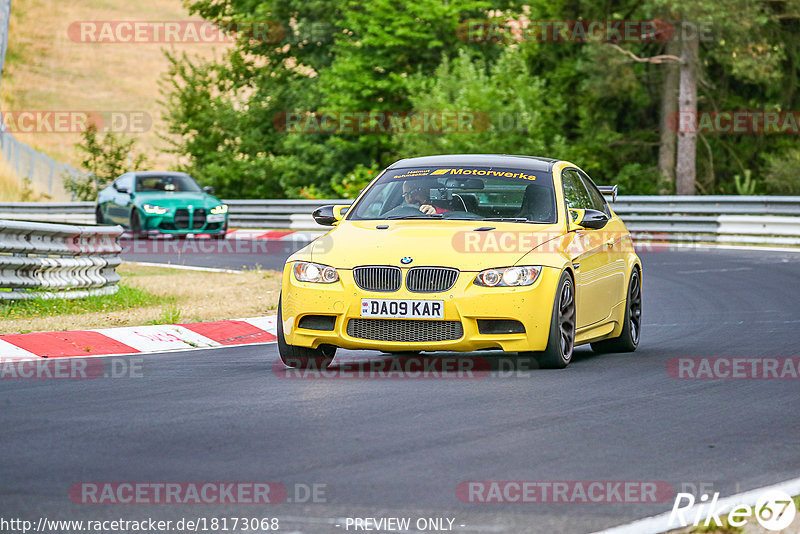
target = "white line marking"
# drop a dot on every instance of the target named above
(660, 523)
(183, 267)
(668, 245)
(700, 271)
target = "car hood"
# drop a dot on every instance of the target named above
(426, 243)
(176, 199)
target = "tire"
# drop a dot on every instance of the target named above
(135, 224)
(561, 341)
(98, 216)
(222, 233)
(628, 339)
(302, 357)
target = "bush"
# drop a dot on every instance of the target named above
(105, 160)
(781, 176)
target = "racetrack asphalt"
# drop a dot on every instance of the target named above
(394, 447)
(225, 254)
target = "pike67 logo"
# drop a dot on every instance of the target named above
(774, 510)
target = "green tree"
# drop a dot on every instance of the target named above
(104, 159)
(224, 116)
(512, 110)
(604, 106)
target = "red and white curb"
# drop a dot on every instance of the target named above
(275, 235)
(137, 339)
(252, 235)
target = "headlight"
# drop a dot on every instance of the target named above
(154, 210)
(508, 276)
(222, 208)
(314, 272)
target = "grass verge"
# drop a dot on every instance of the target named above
(14, 188)
(151, 295)
(47, 70)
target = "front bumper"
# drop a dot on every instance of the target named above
(182, 221)
(464, 302)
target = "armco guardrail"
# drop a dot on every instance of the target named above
(50, 212)
(57, 260)
(292, 214)
(761, 220)
(732, 219)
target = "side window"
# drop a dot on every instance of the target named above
(574, 192)
(598, 201)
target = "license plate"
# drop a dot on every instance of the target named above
(411, 309)
(212, 218)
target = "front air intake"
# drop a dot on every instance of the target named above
(378, 278)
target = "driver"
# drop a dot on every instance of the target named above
(417, 194)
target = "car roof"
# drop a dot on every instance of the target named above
(159, 173)
(532, 163)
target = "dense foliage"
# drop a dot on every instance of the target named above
(105, 159)
(595, 103)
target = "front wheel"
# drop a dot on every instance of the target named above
(302, 357)
(98, 216)
(135, 224)
(561, 341)
(222, 233)
(628, 339)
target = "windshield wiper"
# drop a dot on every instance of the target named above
(507, 219)
(422, 216)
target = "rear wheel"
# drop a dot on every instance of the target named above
(628, 339)
(561, 341)
(302, 357)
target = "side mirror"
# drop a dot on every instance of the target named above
(122, 189)
(592, 219)
(329, 215)
(208, 189)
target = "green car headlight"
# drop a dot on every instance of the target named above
(154, 210)
(508, 276)
(306, 271)
(222, 208)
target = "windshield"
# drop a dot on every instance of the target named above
(470, 193)
(167, 182)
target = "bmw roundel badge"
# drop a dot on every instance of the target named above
(406, 260)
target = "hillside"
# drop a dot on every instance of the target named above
(47, 70)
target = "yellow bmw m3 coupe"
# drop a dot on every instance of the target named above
(462, 253)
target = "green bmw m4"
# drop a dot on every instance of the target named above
(162, 202)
